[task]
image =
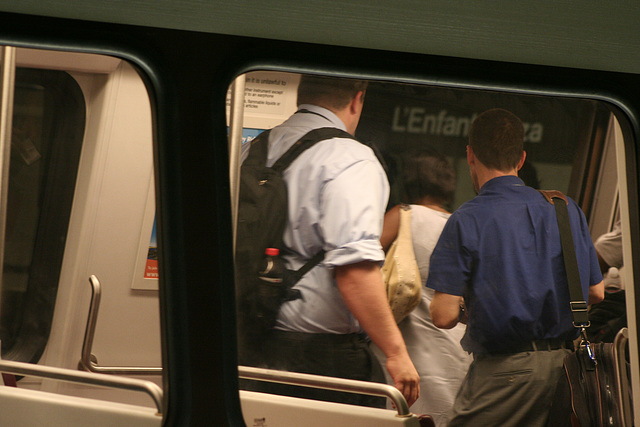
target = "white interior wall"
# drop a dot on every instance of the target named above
(104, 236)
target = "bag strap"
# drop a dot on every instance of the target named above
(576, 297)
(404, 229)
(297, 274)
(577, 300)
(294, 276)
(258, 149)
(303, 144)
(306, 142)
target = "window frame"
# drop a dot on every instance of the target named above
(187, 75)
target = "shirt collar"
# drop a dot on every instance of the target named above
(501, 181)
(327, 114)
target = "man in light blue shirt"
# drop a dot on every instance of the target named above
(337, 193)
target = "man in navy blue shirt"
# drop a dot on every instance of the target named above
(498, 267)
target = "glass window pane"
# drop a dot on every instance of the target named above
(48, 124)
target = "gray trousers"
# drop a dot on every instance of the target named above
(508, 390)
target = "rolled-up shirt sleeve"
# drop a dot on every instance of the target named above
(352, 206)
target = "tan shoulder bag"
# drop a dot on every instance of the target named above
(400, 270)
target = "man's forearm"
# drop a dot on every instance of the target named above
(445, 310)
(363, 291)
(596, 293)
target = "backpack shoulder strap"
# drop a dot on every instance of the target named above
(258, 150)
(306, 142)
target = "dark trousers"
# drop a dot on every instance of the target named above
(343, 356)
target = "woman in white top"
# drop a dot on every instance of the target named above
(428, 183)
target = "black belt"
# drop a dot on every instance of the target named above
(537, 345)
(318, 339)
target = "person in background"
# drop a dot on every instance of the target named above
(428, 183)
(498, 268)
(609, 316)
(337, 194)
(609, 248)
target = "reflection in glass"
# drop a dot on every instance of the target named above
(48, 123)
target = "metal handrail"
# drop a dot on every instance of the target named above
(236, 120)
(328, 383)
(88, 361)
(69, 375)
(619, 355)
(7, 88)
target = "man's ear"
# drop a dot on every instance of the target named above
(471, 158)
(522, 159)
(357, 102)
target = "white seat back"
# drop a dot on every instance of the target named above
(31, 408)
(262, 409)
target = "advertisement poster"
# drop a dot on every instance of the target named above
(146, 274)
(151, 267)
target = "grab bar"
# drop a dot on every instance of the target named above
(619, 354)
(236, 118)
(328, 383)
(7, 85)
(61, 374)
(88, 361)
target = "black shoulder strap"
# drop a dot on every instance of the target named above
(306, 142)
(577, 300)
(312, 262)
(258, 150)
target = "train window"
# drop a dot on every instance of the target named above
(47, 131)
(79, 222)
(558, 131)
(565, 137)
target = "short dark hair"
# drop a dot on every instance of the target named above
(497, 139)
(333, 93)
(427, 173)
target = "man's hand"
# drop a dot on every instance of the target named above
(363, 291)
(405, 377)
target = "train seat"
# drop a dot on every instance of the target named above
(261, 409)
(26, 408)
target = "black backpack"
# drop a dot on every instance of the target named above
(262, 216)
